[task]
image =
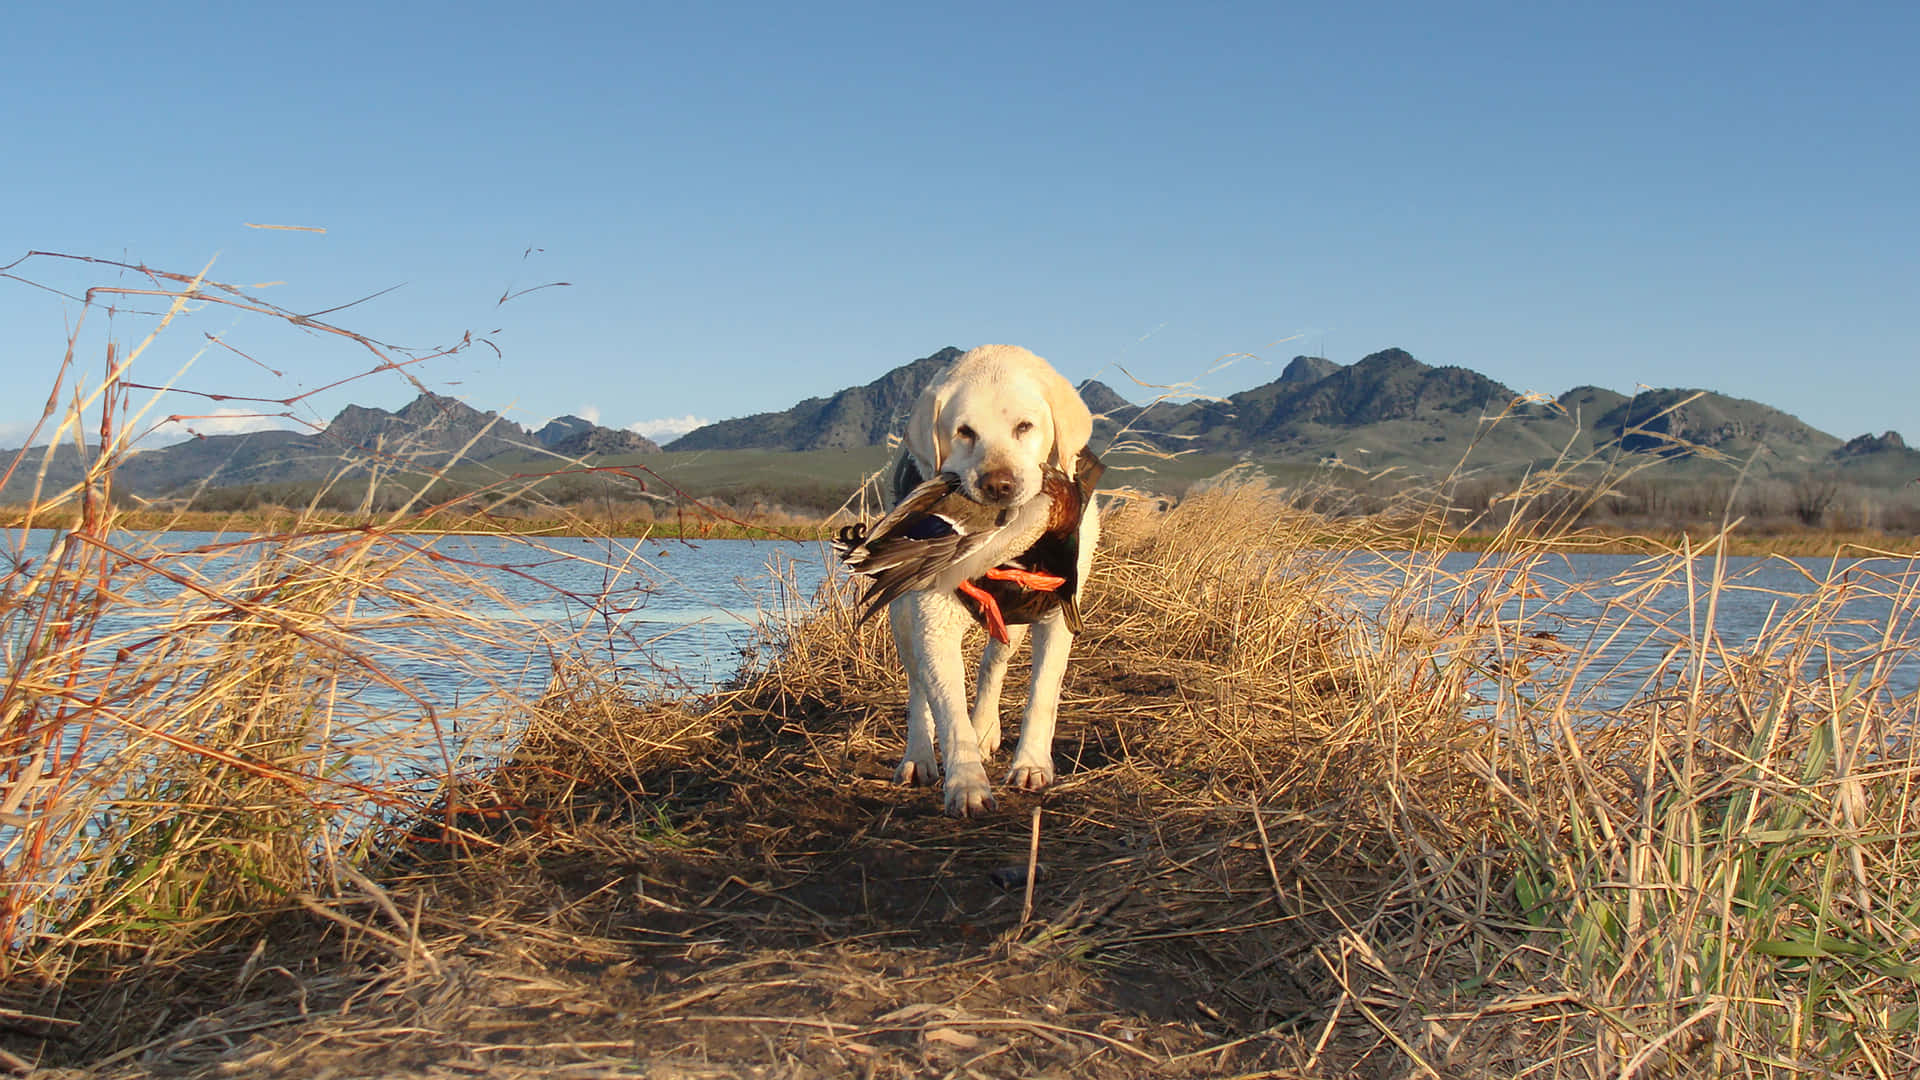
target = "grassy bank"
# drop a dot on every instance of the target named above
(1813, 543)
(706, 525)
(1315, 817)
(1289, 840)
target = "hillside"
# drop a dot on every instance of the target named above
(856, 416)
(425, 434)
(1388, 409)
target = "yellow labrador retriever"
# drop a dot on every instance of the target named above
(1009, 431)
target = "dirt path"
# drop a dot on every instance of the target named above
(737, 889)
(758, 899)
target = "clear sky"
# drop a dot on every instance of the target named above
(760, 203)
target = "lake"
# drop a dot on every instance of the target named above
(1627, 623)
(675, 617)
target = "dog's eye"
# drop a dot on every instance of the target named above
(1022, 427)
(965, 432)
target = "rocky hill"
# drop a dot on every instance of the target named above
(425, 434)
(1677, 421)
(856, 416)
(574, 437)
(1387, 409)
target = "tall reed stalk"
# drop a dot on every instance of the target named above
(194, 734)
(1714, 842)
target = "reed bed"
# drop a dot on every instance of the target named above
(200, 738)
(1335, 800)
(1320, 814)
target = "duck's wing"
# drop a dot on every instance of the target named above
(914, 543)
(1086, 473)
(915, 503)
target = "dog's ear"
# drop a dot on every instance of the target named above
(925, 439)
(1072, 420)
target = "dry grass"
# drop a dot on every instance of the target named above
(1318, 816)
(1286, 843)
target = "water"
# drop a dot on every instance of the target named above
(676, 613)
(1630, 623)
(674, 617)
(432, 665)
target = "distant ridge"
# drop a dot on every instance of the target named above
(427, 432)
(856, 416)
(1387, 409)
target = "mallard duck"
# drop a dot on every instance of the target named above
(930, 529)
(934, 527)
(1024, 588)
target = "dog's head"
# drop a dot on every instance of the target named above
(996, 416)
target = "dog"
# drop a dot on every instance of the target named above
(1008, 435)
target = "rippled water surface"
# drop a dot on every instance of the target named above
(674, 616)
(1628, 624)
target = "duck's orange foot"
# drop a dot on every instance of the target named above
(1031, 579)
(989, 611)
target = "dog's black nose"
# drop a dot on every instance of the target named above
(997, 484)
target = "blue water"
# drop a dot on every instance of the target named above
(1628, 627)
(668, 617)
(433, 667)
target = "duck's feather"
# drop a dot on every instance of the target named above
(931, 529)
(1056, 553)
(934, 527)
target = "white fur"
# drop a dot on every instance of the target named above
(994, 419)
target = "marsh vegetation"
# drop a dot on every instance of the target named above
(1311, 821)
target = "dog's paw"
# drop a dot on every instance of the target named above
(968, 793)
(1030, 776)
(917, 773)
(989, 736)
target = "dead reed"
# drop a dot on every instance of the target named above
(1329, 806)
(1321, 814)
(201, 736)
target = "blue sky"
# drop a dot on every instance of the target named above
(759, 203)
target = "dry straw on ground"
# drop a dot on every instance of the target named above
(1319, 815)
(1283, 845)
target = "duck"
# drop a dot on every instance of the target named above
(934, 527)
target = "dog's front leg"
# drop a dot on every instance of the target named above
(1032, 767)
(986, 689)
(918, 766)
(936, 622)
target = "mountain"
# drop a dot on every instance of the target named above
(560, 429)
(575, 437)
(1387, 399)
(430, 429)
(1102, 399)
(426, 433)
(1306, 369)
(1588, 403)
(1883, 460)
(1387, 409)
(856, 416)
(1672, 421)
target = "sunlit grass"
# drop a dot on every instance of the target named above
(1381, 783)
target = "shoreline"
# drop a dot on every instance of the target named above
(645, 882)
(1818, 543)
